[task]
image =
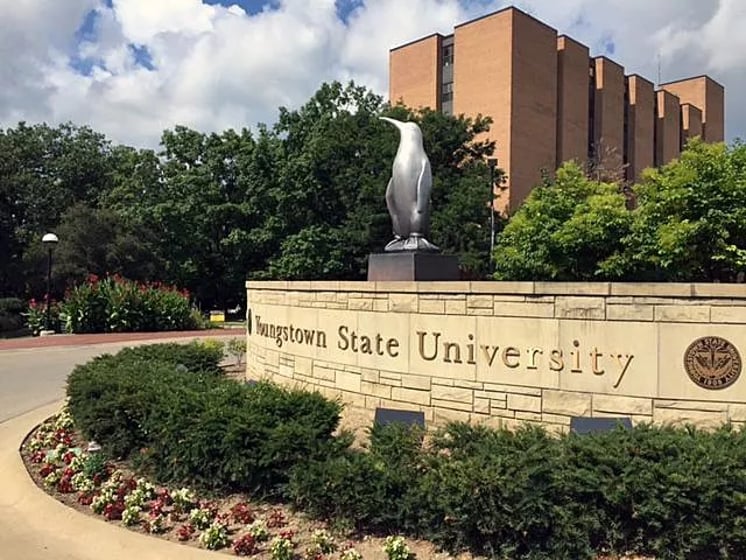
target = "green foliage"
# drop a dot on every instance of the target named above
(236, 347)
(568, 229)
(98, 241)
(11, 318)
(115, 304)
(196, 356)
(311, 253)
(95, 464)
(303, 199)
(662, 492)
(43, 171)
(184, 426)
(36, 316)
(690, 224)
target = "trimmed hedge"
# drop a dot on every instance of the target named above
(664, 492)
(195, 356)
(11, 318)
(186, 425)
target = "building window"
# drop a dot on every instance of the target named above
(447, 92)
(448, 55)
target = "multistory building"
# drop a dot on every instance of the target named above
(552, 101)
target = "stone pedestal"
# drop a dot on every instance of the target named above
(412, 267)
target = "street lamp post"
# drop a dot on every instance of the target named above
(49, 240)
(492, 162)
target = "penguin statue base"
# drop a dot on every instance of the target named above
(412, 243)
(410, 266)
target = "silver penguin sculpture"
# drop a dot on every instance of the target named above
(408, 191)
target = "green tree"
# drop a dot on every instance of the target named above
(43, 172)
(690, 222)
(336, 163)
(570, 228)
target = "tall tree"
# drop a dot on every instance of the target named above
(690, 223)
(43, 172)
(570, 228)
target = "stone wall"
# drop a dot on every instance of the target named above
(508, 352)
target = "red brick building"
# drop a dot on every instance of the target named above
(550, 101)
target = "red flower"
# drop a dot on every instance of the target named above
(287, 535)
(245, 546)
(47, 469)
(65, 485)
(276, 518)
(242, 513)
(85, 498)
(38, 456)
(113, 511)
(185, 532)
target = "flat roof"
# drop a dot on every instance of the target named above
(643, 78)
(419, 40)
(505, 9)
(693, 78)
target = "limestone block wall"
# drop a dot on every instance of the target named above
(508, 352)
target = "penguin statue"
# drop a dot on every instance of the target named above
(408, 191)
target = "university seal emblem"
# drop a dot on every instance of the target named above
(712, 362)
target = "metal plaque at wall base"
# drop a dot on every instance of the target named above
(412, 267)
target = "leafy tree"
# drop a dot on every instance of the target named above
(311, 252)
(43, 172)
(336, 163)
(568, 229)
(690, 223)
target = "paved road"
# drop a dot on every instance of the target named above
(33, 377)
(34, 526)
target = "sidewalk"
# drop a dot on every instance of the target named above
(106, 338)
(34, 526)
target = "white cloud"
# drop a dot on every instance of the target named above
(218, 67)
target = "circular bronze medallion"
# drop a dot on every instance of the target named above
(712, 362)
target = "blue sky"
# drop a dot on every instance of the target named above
(132, 68)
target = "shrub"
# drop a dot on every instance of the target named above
(115, 304)
(662, 492)
(12, 306)
(186, 426)
(36, 316)
(195, 356)
(11, 318)
(374, 491)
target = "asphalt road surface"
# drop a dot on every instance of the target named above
(33, 377)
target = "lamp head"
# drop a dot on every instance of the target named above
(50, 239)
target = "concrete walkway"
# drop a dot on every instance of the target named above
(34, 526)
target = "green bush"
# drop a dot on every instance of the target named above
(116, 304)
(185, 426)
(12, 306)
(373, 491)
(668, 493)
(11, 318)
(195, 356)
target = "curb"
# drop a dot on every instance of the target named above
(109, 338)
(35, 526)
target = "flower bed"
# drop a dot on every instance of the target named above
(57, 459)
(665, 492)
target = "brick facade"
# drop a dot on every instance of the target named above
(550, 101)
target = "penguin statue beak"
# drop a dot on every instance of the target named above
(396, 123)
